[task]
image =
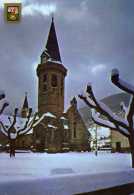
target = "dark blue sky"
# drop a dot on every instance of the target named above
(94, 37)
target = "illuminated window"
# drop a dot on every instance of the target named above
(54, 80)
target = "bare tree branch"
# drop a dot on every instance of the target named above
(2, 95)
(87, 101)
(108, 124)
(4, 130)
(120, 83)
(28, 127)
(3, 107)
(103, 109)
(131, 111)
(26, 124)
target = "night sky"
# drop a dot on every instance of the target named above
(94, 36)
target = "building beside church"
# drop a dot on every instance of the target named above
(57, 131)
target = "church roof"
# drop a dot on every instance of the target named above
(25, 104)
(52, 47)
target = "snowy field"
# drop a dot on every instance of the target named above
(62, 174)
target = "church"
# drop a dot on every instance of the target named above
(58, 130)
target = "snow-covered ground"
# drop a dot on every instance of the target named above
(62, 174)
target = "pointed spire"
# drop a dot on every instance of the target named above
(52, 48)
(52, 17)
(25, 105)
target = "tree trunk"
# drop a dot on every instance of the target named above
(12, 148)
(131, 142)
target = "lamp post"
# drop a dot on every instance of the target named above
(96, 150)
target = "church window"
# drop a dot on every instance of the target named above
(44, 59)
(61, 90)
(61, 86)
(45, 88)
(62, 83)
(74, 132)
(65, 134)
(45, 78)
(54, 80)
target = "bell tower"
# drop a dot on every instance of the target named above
(51, 75)
(25, 107)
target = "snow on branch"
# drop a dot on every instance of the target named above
(121, 83)
(28, 125)
(107, 124)
(39, 120)
(105, 110)
(88, 101)
(102, 122)
(112, 121)
(123, 131)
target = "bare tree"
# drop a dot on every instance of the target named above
(13, 131)
(5, 104)
(124, 125)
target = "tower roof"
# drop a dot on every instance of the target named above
(25, 104)
(52, 48)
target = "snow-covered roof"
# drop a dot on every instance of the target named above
(49, 114)
(20, 122)
(66, 127)
(52, 126)
(54, 61)
(62, 117)
(30, 132)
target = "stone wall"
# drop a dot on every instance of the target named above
(119, 142)
(79, 139)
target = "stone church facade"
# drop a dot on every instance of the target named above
(58, 131)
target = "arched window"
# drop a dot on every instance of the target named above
(44, 88)
(45, 78)
(61, 91)
(54, 80)
(74, 132)
(62, 82)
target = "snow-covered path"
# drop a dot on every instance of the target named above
(62, 174)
